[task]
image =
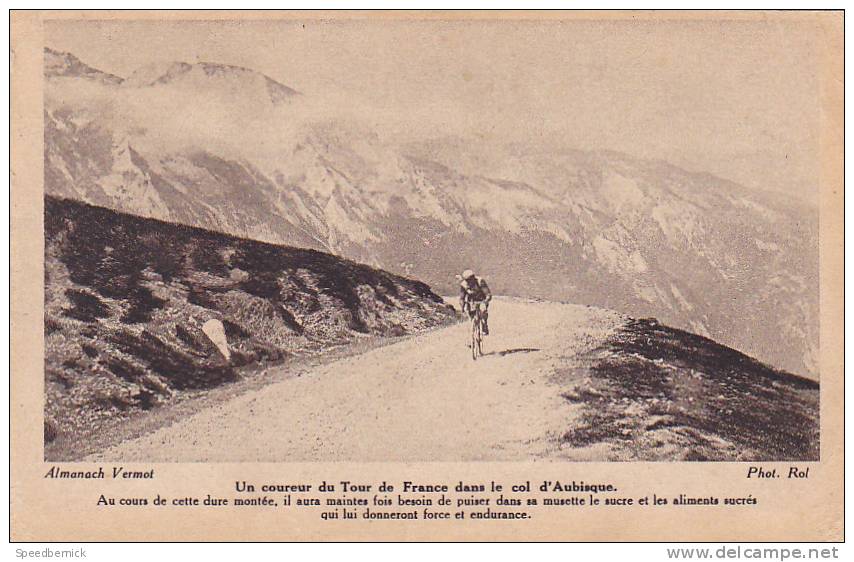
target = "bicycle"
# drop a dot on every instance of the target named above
(477, 330)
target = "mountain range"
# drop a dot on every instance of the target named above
(230, 149)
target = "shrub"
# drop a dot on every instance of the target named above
(49, 431)
(86, 307)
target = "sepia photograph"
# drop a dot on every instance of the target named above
(505, 240)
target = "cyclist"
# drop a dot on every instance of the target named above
(474, 290)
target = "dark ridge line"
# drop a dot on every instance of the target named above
(216, 233)
(645, 326)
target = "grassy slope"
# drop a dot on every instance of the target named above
(658, 393)
(125, 299)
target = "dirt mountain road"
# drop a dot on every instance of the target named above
(420, 399)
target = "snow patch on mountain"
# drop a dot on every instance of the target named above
(622, 193)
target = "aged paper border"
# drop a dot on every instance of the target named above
(45, 510)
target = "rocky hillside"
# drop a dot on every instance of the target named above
(656, 393)
(58, 64)
(126, 298)
(211, 146)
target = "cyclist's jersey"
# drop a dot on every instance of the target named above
(476, 291)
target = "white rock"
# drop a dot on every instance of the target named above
(216, 332)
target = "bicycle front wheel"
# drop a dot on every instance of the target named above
(478, 336)
(475, 337)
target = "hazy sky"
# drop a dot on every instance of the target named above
(738, 99)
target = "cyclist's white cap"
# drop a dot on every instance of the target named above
(468, 273)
